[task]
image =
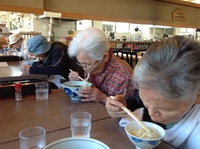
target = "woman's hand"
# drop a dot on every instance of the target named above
(25, 68)
(113, 106)
(92, 94)
(73, 76)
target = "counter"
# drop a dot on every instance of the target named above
(134, 45)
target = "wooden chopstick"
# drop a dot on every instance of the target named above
(134, 117)
(81, 78)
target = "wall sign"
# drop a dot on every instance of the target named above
(178, 15)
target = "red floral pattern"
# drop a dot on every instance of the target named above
(116, 78)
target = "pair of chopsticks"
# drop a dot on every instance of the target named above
(134, 117)
(86, 82)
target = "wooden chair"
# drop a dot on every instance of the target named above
(129, 56)
(28, 35)
(117, 52)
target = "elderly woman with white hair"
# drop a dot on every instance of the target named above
(109, 75)
(168, 79)
(17, 42)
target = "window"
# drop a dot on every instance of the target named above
(108, 26)
(83, 24)
(122, 27)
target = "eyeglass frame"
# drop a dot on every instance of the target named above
(84, 65)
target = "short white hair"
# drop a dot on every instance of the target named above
(91, 40)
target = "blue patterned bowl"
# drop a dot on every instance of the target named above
(72, 88)
(142, 143)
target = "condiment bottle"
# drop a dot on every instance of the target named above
(18, 91)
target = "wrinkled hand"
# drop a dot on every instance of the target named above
(92, 94)
(113, 106)
(73, 76)
(25, 68)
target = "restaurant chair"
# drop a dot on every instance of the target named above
(28, 35)
(129, 56)
(117, 52)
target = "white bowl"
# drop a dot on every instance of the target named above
(142, 143)
(77, 143)
(72, 88)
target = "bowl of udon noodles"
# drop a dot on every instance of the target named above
(143, 139)
(71, 88)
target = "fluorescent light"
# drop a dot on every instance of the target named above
(193, 1)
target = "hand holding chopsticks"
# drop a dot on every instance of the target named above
(134, 117)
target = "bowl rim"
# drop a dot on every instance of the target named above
(63, 84)
(145, 122)
(76, 138)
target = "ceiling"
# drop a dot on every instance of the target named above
(191, 3)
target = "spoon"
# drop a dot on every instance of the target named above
(134, 117)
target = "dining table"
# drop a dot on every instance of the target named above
(54, 114)
(10, 71)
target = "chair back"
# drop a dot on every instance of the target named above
(129, 56)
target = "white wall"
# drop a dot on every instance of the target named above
(60, 27)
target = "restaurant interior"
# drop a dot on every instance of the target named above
(60, 21)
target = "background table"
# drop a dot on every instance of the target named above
(12, 72)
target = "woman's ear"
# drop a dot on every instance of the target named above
(197, 101)
(106, 57)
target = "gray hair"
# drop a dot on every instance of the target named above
(91, 40)
(171, 67)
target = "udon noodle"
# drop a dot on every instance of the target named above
(142, 133)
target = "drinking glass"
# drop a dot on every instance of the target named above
(81, 124)
(32, 138)
(41, 90)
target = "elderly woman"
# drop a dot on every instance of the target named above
(19, 43)
(109, 75)
(168, 79)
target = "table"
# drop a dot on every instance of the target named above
(54, 116)
(10, 58)
(12, 72)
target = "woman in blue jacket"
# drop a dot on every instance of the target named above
(53, 58)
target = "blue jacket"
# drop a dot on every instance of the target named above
(57, 62)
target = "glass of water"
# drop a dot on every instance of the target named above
(81, 124)
(41, 90)
(32, 138)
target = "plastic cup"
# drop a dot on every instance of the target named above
(32, 138)
(81, 124)
(41, 90)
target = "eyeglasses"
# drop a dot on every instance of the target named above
(84, 65)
